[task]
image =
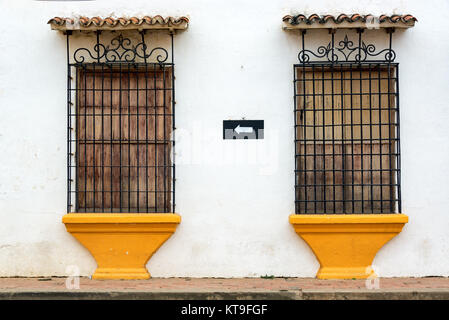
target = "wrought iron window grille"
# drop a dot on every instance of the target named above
(119, 50)
(346, 51)
(121, 121)
(347, 150)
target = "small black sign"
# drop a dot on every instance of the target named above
(243, 129)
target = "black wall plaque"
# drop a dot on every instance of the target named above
(243, 129)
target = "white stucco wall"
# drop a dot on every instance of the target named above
(234, 196)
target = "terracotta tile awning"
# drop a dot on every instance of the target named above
(344, 21)
(110, 23)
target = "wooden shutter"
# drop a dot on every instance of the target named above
(124, 121)
(346, 141)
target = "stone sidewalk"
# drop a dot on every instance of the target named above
(229, 289)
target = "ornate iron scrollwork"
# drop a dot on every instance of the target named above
(119, 50)
(346, 51)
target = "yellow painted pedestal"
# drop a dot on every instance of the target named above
(345, 245)
(121, 244)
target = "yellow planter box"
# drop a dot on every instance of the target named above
(121, 244)
(345, 245)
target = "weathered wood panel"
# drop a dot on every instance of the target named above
(123, 133)
(346, 157)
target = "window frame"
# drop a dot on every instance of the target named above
(337, 57)
(122, 52)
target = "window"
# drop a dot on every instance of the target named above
(123, 123)
(121, 119)
(347, 135)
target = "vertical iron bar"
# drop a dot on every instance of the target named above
(146, 137)
(380, 139)
(137, 138)
(314, 142)
(111, 145)
(85, 138)
(371, 138)
(94, 119)
(102, 123)
(142, 34)
(362, 172)
(156, 167)
(129, 139)
(295, 113)
(332, 32)
(102, 138)
(75, 136)
(303, 119)
(392, 203)
(93, 135)
(165, 142)
(98, 45)
(352, 141)
(69, 127)
(120, 134)
(398, 142)
(173, 118)
(343, 140)
(333, 124)
(323, 107)
(359, 31)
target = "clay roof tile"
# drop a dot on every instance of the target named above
(134, 20)
(401, 20)
(96, 23)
